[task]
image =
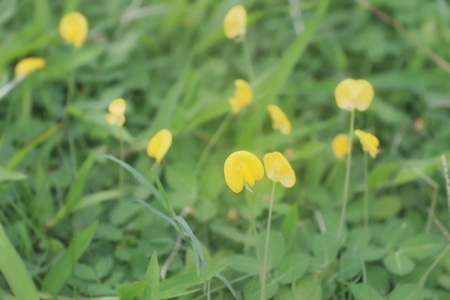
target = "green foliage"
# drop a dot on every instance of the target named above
(84, 212)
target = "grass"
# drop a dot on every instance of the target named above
(68, 229)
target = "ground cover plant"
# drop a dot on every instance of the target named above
(208, 149)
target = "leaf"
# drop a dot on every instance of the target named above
(85, 272)
(409, 292)
(252, 290)
(179, 284)
(291, 268)
(373, 253)
(142, 180)
(23, 152)
(349, 267)
(9, 175)
(130, 290)
(308, 288)
(97, 198)
(168, 106)
(378, 277)
(58, 273)
(75, 190)
(398, 263)
(271, 86)
(276, 249)
(224, 229)
(151, 291)
(197, 249)
(325, 247)
(289, 226)
(103, 266)
(386, 207)
(444, 281)
(422, 246)
(365, 292)
(244, 264)
(14, 271)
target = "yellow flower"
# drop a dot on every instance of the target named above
(354, 94)
(278, 169)
(369, 142)
(341, 145)
(28, 65)
(159, 144)
(74, 28)
(242, 97)
(235, 22)
(116, 116)
(115, 120)
(279, 119)
(242, 167)
(117, 106)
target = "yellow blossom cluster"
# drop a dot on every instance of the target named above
(351, 95)
(116, 115)
(243, 168)
(73, 28)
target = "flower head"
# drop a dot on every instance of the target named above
(74, 28)
(115, 120)
(235, 22)
(278, 169)
(369, 142)
(242, 167)
(341, 145)
(279, 119)
(243, 96)
(117, 106)
(116, 116)
(354, 94)
(28, 65)
(159, 144)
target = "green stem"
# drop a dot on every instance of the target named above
(366, 198)
(255, 232)
(213, 140)
(66, 119)
(347, 176)
(266, 246)
(122, 158)
(433, 265)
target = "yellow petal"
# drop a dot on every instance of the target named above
(235, 22)
(242, 167)
(369, 142)
(341, 145)
(28, 65)
(354, 94)
(117, 107)
(115, 120)
(278, 169)
(279, 119)
(74, 28)
(159, 144)
(243, 96)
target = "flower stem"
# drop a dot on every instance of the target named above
(266, 246)
(347, 176)
(213, 140)
(255, 232)
(366, 198)
(433, 265)
(122, 158)
(10, 85)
